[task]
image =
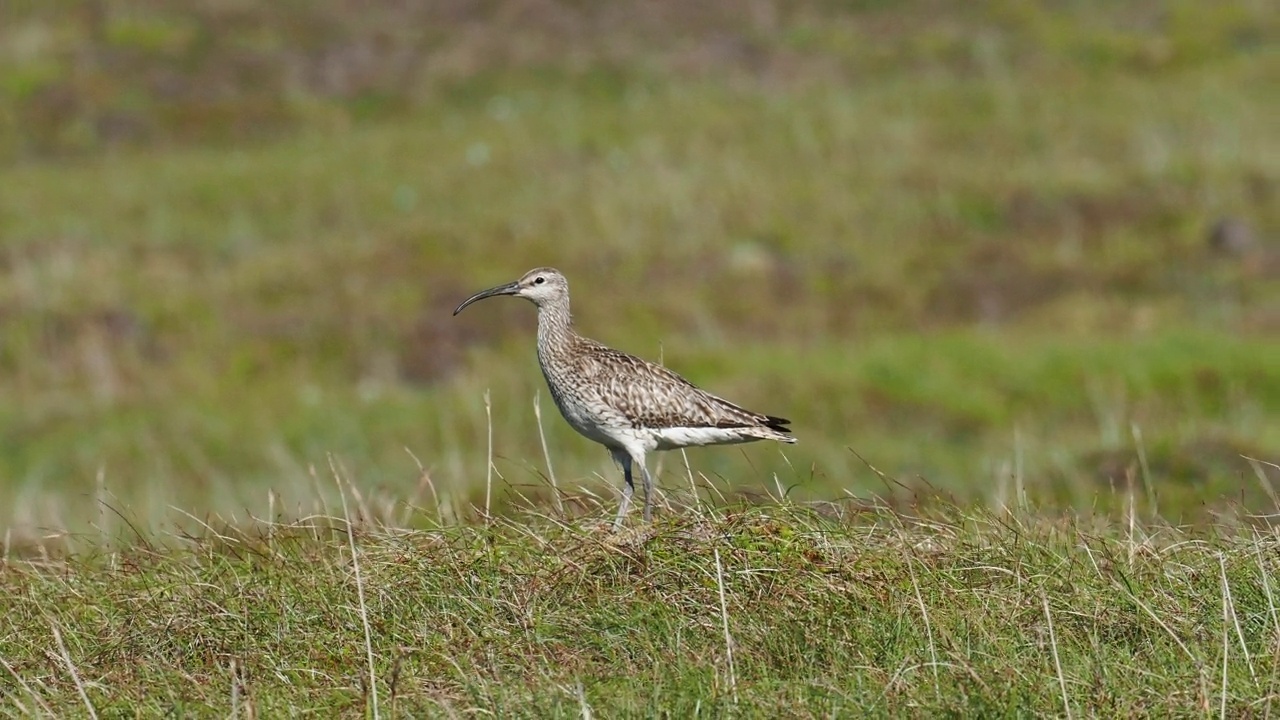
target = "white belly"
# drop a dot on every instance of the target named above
(678, 437)
(591, 425)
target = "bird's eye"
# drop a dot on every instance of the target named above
(539, 281)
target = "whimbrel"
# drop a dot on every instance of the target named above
(629, 405)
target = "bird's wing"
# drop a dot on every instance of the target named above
(651, 396)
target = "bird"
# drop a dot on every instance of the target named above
(629, 405)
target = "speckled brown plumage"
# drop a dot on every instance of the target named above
(645, 394)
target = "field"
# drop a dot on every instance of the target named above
(764, 612)
(1012, 270)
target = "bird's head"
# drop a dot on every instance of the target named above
(540, 286)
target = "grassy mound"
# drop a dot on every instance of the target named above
(763, 611)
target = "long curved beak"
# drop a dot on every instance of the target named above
(510, 288)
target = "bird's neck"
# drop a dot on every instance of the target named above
(555, 325)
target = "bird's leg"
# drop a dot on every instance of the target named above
(627, 488)
(648, 491)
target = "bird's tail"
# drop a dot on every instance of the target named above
(775, 428)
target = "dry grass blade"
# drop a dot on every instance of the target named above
(23, 684)
(71, 668)
(1226, 649)
(583, 706)
(364, 611)
(928, 626)
(488, 467)
(546, 454)
(424, 479)
(1275, 625)
(693, 485)
(1172, 635)
(1230, 605)
(724, 619)
(1057, 662)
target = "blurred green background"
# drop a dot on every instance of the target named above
(991, 247)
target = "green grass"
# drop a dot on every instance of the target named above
(964, 247)
(909, 265)
(851, 611)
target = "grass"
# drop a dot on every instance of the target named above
(959, 255)
(846, 609)
(969, 245)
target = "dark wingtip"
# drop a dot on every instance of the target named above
(777, 423)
